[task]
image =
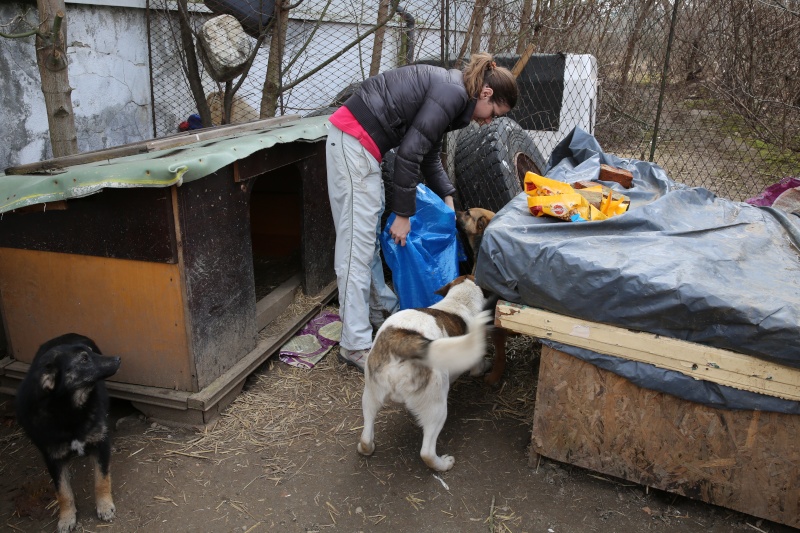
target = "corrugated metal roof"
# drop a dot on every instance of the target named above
(161, 168)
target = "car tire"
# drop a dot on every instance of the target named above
(491, 162)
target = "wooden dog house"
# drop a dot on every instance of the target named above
(151, 250)
(745, 460)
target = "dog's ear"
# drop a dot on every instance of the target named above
(442, 291)
(48, 378)
(482, 223)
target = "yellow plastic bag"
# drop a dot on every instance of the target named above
(560, 200)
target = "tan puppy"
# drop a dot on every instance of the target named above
(473, 223)
(417, 354)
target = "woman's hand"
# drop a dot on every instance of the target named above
(399, 229)
(448, 200)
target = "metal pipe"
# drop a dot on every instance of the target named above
(410, 23)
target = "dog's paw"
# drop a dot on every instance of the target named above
(440, 464)
(483, 366)
(492, 378)
(106, 510)
(366, 449)
(66, 522)
(446, 462)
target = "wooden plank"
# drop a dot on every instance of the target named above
(274, 158)
(181, 139)
(211, 394)
(172, 399)
(273, 304)
(216, 132)
(122, 223)
(519, 66)
(57, 205)
(319, 236)
(696, 360)
(218, 272)
(748, 461)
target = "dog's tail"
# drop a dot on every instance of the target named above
(459, 354)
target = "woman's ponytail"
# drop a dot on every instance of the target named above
(482, 70)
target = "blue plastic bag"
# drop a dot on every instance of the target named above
(429, 260)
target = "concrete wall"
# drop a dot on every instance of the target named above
(108, 70)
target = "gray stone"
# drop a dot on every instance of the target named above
(224, 47)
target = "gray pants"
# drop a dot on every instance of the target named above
(355, 189)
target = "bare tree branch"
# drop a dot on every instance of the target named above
(341, 52)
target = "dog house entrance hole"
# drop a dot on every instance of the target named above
(276, 205)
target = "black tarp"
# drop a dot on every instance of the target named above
(681, 263)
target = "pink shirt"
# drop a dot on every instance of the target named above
(345, 121)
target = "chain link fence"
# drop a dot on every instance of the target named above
(708, 90)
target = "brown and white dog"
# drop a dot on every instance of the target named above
(417, 355)
(472, 223)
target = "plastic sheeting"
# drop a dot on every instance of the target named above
(680, 263)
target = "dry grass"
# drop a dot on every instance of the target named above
(282, 406)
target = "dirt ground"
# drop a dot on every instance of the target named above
(283, 458)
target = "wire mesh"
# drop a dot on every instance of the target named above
(708, 90)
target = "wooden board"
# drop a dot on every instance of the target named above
(135, 223)
(695, 360)
(142, 147)
(213, 227)
(748, 461)
(132, 309)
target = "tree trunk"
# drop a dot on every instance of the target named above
(537, 26)
(272, 79)
(493, 33)
(633, 40)
(463, 50)
(473, 36)
(477, 30)
(377, 46)
(525, 27)
(51, 57)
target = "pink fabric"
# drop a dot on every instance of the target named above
(774, 191)
(345, 121)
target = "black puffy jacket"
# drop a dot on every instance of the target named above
(411, 108)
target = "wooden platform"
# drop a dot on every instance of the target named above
(744, 460)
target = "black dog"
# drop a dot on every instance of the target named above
(62, 404)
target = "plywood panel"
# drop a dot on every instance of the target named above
(744, 460)
(132, 309)
(217, 259)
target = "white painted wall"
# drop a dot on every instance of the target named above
(578, 105)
